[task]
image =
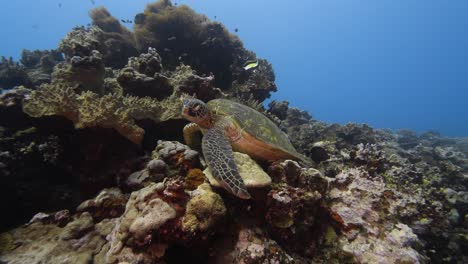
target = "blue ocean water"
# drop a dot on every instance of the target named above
(391, 64)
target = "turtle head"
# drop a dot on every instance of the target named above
(196, 111)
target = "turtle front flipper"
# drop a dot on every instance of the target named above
(190, 135)
(220, 159)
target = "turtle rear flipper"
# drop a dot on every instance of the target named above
(220, 159)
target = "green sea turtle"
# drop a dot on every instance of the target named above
(228, 126)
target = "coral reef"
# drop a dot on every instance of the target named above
(39, 64)
(251, 245)
(107, 35)
(179, 157)
(12, 74)
(183, 36)
(80, 241)
(93, 170)
(89, 110)
(35, 68)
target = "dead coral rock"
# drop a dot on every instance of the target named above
(152, 221)
(155, 171)
(179, 157)
(204, 210)
(291, 215)
(80, 241)
(138, 84)
(394, 247)
(252, 174)
(153, 215)
(251, 245)
(145, 212)
(156, 166)
(354, 211)
(59, 218)
(109, 203)
(364, 207)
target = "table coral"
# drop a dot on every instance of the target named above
(89, 110)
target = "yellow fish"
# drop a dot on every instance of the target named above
(250, 64)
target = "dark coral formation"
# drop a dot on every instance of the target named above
(90, 153)
(35, 68)
(12, 74)
(107, 35)
(39, 64)
(182, 36)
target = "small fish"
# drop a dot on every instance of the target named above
(236, 30)
(250, 64)
(172, 38)
(123, 21)
(60, 5)
(214, 17)
(139, 18)
(93, 2)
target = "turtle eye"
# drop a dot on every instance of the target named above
(191, 112)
